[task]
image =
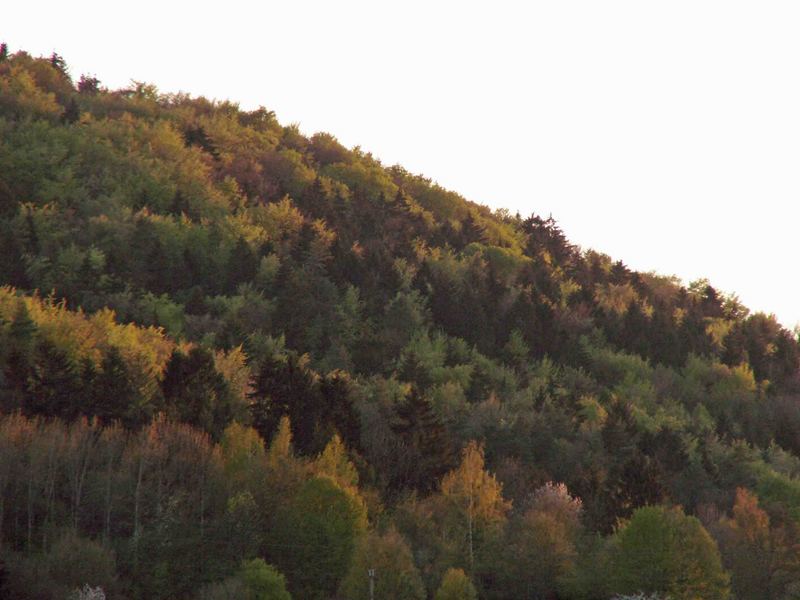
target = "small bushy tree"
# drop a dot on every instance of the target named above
(661, 550)
(396, 576)
(315, 535)
(456, 586)
(263, 581)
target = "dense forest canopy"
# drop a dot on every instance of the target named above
(240, 362)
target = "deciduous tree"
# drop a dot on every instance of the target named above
(663, 550)
(456, 586)
(476, 496)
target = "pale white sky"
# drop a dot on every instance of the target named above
(666, 134)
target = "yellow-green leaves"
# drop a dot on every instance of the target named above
(474, 490)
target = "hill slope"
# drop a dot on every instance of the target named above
(207, 272)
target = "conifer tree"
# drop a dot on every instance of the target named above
(339, 414)
(18, 355)
(242, 265)
(426, 442)
(113, 393)
(284, 386)
(58, 63)
(54, 385)
(195, 392)
(471, 231)
(71, 113)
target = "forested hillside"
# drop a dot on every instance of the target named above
(239, 362)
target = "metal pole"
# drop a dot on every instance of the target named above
(371, 573)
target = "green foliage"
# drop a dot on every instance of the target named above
(318, 407)
(241, 448)
(774, 488)
(426, 448)
(663, 550)
(195, 393)
(315, 536)
(396, 576)
(72, 562)
(211, 275)
(263, 581)
(255, 580)
(456, 586)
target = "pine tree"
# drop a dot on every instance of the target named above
(54, 385)
(314, 201)
(634, 478)
(18, 367)
(197, 136)
(179, 205)
(242, 264)
(58, 63)
(72, 113)
(114, 396)
(471, 231)
(284, 386)
(339, 413)
(22, 332)
(31, 234)
(196, 393)
(429, 450)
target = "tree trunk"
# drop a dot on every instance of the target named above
(30, 510)
(136, 512)
(107, 524)
(471, 552)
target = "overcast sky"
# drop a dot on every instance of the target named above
(666, 134)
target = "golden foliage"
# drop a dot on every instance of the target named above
(474, 489)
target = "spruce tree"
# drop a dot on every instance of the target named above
(18, 367)
(284, 386)
(113, 393)
(339, 412)
(196, 393)
(242, 264)
(58, 63)
(471, 231)
(427, 444)
(72, 113)
(54, 385)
